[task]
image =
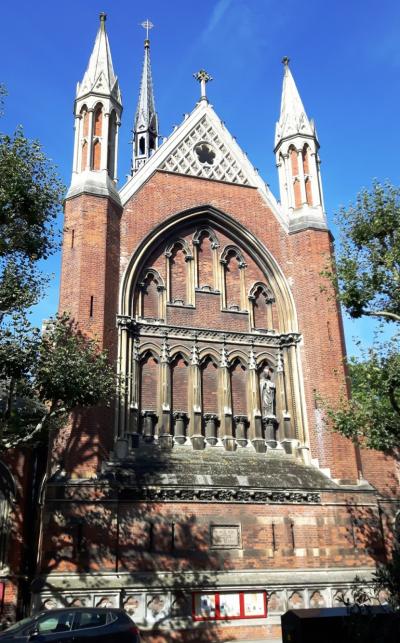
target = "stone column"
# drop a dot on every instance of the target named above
(315, 183)
(115, 168)
(90, 140)
(289, 181)
(243, 296)
(241, 423)
(190, 280)
(104, 141)
(211, 430)
(303, 195)
(225, 402)
(195, 400)
(121, 403)
(133, 396)
(77, 143)
(283, 182)
(149, 425)
(180, 421)
(164, 433)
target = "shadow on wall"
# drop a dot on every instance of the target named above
(91, 527)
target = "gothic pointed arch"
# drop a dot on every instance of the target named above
(150, 295)
(205, 355)
(221, 222)
(262, 301)
(180, 283)
(233, 278)
(206, 244)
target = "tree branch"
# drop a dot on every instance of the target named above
(52, 412)
(382, 313)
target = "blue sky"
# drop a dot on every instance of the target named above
(345, 57)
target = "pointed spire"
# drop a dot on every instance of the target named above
(293, 118)
(99, 76)
(145, 128)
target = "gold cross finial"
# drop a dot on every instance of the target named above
(147, 25)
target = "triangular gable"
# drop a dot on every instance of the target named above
(201, 146)
(203, 152)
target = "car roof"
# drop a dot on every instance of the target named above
(79, 609)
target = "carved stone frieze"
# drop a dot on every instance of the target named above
(149, 329)
(185, 494)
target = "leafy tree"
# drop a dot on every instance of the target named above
(30, 198)
(372, 414)
(367, 276)
(63, 369)
(41, 377)
(368, 262)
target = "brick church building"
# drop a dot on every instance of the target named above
(210, 497)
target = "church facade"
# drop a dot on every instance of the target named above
(210, 497)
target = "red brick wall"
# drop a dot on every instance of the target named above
(344, 531)
(149, 383)
(179, 376)
(238, 387)
(260, 310)
(205, 263)
(209, 387)
(178, 275)
(232, 282)
(150, 298)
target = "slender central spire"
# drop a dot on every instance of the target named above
(145, 128)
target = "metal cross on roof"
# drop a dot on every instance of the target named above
(147, 25)
(202, 77)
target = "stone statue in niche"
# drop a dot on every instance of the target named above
(267, 393)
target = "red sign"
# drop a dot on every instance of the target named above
(227, 606)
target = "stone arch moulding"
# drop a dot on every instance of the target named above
(140, 301)
(209, 215)
(180, 349)
(209, 353)
(187, 296)
(205, 230)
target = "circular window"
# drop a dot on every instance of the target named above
(205, 153)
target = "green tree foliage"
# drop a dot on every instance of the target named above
(368, 284)
(41, 376)
(368, 261)
(52, 374)
(30, 198)
(373, 412)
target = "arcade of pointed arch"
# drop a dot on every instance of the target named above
(208, 387)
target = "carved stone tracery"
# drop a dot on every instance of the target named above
(253, 392)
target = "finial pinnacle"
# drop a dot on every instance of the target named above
(285, 61)
(103, 18)
(203, 77)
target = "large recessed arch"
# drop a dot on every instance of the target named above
(209, 215)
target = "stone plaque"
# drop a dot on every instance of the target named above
(225, 536)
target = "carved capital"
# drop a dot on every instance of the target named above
(125, 322)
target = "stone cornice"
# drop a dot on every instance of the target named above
(157, 329)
